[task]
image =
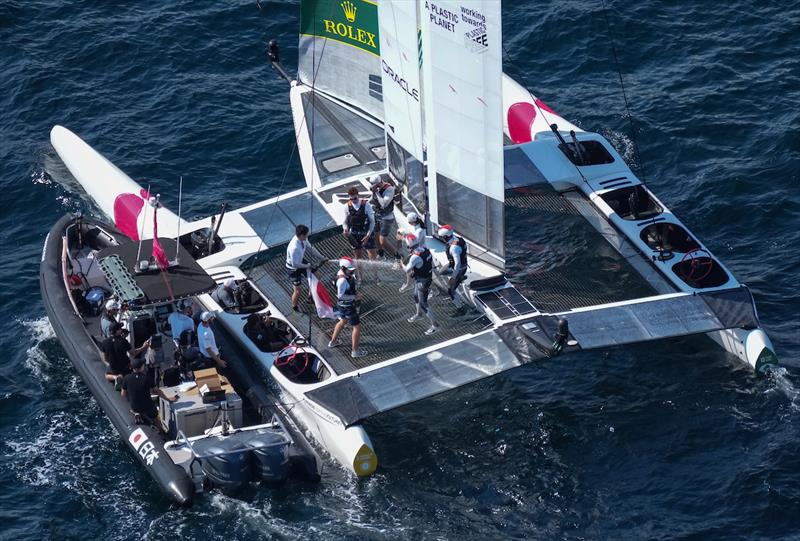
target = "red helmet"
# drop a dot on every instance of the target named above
(347, 263)
(446, 231)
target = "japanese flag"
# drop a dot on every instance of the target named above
(322, 300)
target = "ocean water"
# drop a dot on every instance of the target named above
(671, 440)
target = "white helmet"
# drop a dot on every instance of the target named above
(347, 263)
(207, 316)
(111, 304)
(374, 180)
(230, 283)
(412, 217)
(446, 231)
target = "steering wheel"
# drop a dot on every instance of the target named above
(696, 264)
(294, 365)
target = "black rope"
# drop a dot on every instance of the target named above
(638, 158)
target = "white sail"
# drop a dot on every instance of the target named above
(462, 82)
(339, 51)
(402, 99)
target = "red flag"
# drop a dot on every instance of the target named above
(322, 300)
(158, 252)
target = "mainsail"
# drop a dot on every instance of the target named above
(402, 96)
(462, 82)
(339, 51)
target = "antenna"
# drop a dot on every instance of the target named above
(178, 238)
(141, 233)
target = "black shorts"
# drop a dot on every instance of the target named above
(384, 227)
(348, 313)
(355, 238)
(296, 276)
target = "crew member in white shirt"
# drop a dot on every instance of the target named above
(299, 255)
(180, 321)
(206, 340)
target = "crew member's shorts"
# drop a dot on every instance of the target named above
(296, 276)
(355, 238)
(384, 226)
(348, 313)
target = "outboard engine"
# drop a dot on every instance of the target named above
(226, 464)
(270, 457)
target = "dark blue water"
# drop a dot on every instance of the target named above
(673, 440)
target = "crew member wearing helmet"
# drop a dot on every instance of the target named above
(109, 316)
(359, 224)
(346, 297)
(413, 239)
(456, 258)
(382, 202)
(420, 268)
(225, 294)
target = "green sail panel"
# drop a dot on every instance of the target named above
(339, 51)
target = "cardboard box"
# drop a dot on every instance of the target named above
(209, 377)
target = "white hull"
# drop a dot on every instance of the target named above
(349, 446)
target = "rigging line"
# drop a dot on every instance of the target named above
(288, 162)
(624, 94)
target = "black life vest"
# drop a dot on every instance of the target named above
(357, 220)
(379, 210)
(349, 296)
(425, 272)
(461, 243)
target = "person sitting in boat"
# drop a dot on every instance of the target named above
(225, 294)
(420, 268)
(359, 225)
(207, 342)
(117, 353)
(456, 259)
(110, 315)
(346, 298)
(299, 255)
(137, 389)
(261, 329)
(180, 322)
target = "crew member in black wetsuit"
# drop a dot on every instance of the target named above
(359, 225)
(137, 388)
(456, 259)
(261, 329)
(117, 352)
(346, 298)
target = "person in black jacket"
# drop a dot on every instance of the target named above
(137, 388)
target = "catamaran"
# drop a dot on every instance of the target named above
(414, 92)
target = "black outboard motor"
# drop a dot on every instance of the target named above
(270, 457)
(226, 464)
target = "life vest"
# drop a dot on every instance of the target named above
(461, 243)
(349, 296)
(357, 219)
(379, 210)
(425, 272)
